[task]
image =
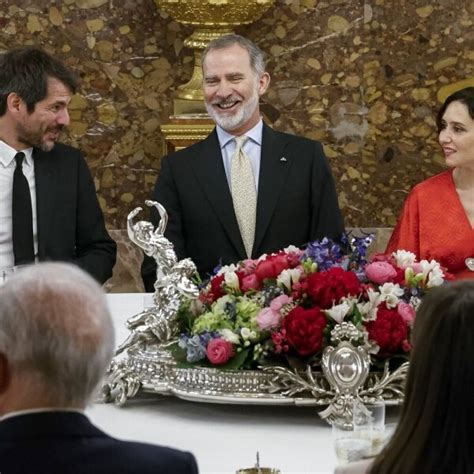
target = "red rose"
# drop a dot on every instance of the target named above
(304, 329)
(216, 287)
(219, 351)
(327, 288)
(389, 331)
(250, 282)
(271, 267)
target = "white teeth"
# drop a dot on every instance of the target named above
(226, 105)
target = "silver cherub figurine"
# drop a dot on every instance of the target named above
(173, 282)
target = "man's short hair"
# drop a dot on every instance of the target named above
(258, 59)
(56, 330)
(26, 71)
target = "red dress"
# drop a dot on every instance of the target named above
(434, 225)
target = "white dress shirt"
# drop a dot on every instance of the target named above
(252, 148)
(7, 168)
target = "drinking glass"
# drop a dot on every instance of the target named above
(350, 445)
(369, 421)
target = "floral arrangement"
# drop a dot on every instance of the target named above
(281, 307)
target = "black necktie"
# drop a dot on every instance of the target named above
(22, 218)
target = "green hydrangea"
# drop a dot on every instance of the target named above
(247, 311)
(211, 321)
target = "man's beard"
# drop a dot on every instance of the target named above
(36, 138)
(233, 121)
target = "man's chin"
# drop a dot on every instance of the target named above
(47, 145)
(228, 122)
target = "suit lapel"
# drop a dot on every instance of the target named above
(45, 181)
(209, 170)
(274, 168)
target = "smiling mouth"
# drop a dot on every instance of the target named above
(448, 151)
(54, 134)
(227, 105)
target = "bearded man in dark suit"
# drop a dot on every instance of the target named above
(246, 189)
(56, 342)
(56, 215)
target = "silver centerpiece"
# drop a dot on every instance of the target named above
(144, 360)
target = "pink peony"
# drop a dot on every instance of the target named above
(219, 351)
(248, 266)
(250, 282)
(380, 272)
(268, 318)
(407, 312)
(280, 301)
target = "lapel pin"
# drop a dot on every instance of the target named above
(283, 159)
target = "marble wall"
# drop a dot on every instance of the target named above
(363, 76)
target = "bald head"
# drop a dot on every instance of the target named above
(56, 336)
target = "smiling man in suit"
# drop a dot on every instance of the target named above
(56, 342)
(48, 204)
(246, 189)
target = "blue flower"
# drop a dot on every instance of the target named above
(195, 349)
(325, 253)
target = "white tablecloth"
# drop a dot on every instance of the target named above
(222, 437)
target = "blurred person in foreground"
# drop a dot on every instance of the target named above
(246, 189)
(437, 221)
(56, 342)
(48, 204)
(436, 428)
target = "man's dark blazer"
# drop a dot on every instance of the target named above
(68, 443)
(69, 219)
(296, 203)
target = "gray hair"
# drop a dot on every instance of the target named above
(56, 329)
(258, 59)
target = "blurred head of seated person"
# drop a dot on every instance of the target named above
(437, 220)
(56, 342)
(436, 428)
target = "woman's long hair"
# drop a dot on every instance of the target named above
(436, 429)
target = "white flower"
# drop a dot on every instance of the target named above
(248, 335)
(369, 309)
(339, 311)
(404, 258)
(433, 271)
(390, 293)
(287, 277)
(230, 336)
(232, 280)
(291, 249)
(227, 268)
(262, 257)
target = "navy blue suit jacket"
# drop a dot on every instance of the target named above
(296, 203)
(68, 443)
(70, 222)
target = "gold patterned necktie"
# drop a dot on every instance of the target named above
(244, 194)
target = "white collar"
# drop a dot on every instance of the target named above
(255, 133)
(7, 154)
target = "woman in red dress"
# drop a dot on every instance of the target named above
(437, 221)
